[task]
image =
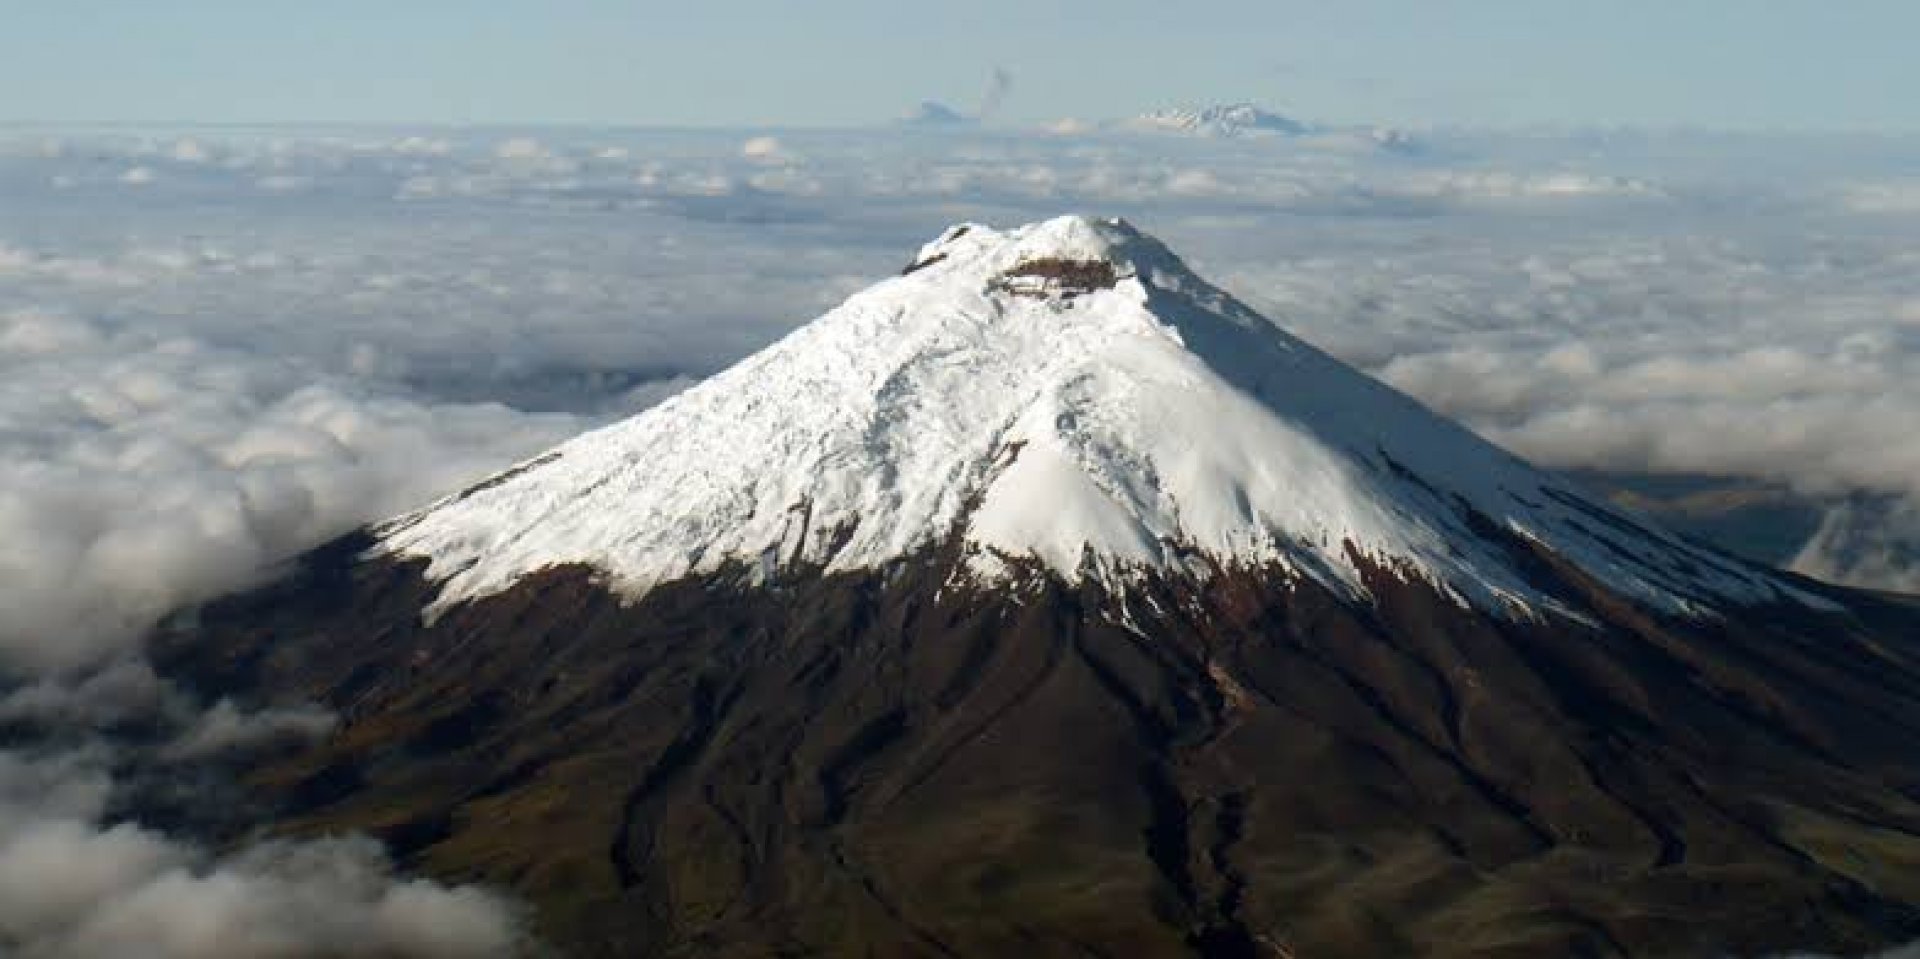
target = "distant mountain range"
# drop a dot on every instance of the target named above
(1247, 121)
(1236, 121)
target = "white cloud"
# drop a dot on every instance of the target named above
(74, 886)
(55, 872)
(143, 473)
(77, 881)
(1497, 185)
(1874, 542)
(226, 731)
(276, 899)
(421, 146)
(123, 693)
(522, 148)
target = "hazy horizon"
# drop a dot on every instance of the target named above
(1719, 64)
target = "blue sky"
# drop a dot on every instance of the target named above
(1782, 64)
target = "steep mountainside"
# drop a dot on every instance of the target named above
(1044, 600)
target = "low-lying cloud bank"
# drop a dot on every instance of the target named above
(144, 472)
(89, 757)
(1874, 542)
(73, 886)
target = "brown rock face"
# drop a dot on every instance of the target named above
(889, 764)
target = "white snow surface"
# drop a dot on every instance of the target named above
(1154, 424)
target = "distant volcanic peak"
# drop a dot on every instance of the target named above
(1067, 394)
(1229, 120)
(1247, 121)
(932, 113)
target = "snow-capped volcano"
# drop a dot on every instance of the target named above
(1069, 394)
(1045, 601)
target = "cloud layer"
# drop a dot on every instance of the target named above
(75, 888)
(148, 470)
(219, 350)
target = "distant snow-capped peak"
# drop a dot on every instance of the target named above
(1221, 120)
(1066, 394)
(1247, 121)
(931, 113)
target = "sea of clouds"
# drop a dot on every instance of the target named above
(221, 347)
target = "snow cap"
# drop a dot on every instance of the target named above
(1064, 395)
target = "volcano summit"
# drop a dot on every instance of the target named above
(1068, 396)
(1046, 600)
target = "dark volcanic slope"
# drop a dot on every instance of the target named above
(867, 764)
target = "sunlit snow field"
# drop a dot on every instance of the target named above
(221, 346)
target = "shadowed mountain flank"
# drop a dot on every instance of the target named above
(852, 763)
